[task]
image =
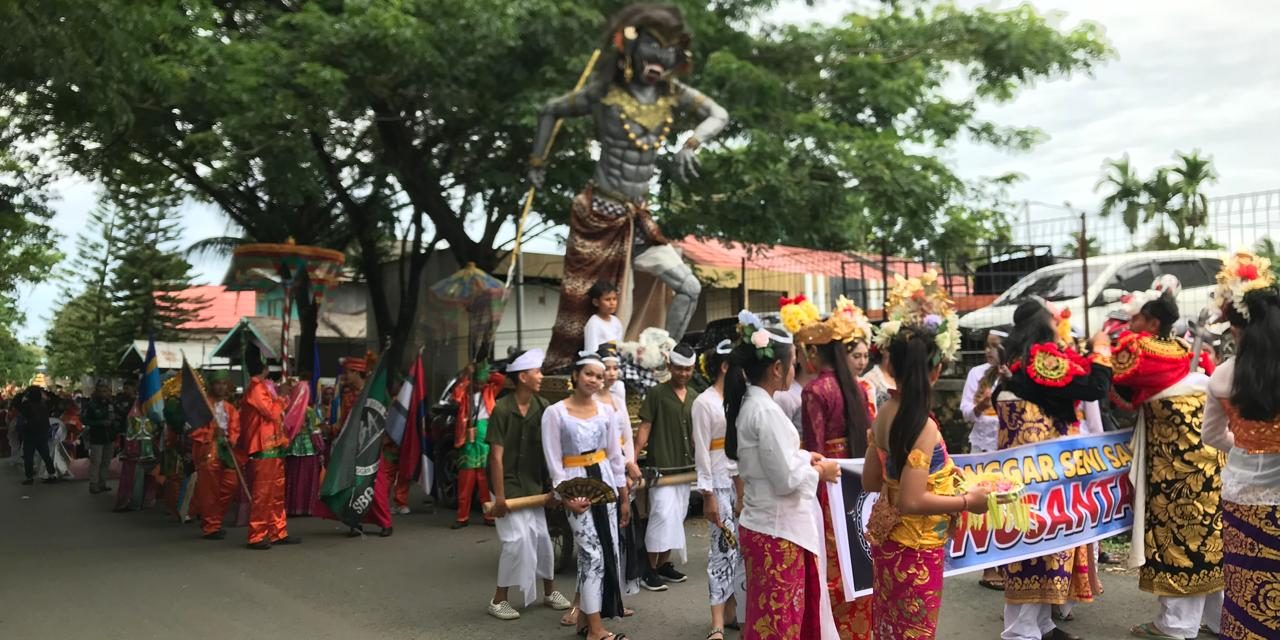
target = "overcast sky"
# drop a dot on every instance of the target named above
(1188, 75)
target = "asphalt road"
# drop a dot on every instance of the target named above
(70, 568)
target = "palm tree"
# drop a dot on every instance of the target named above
(1126, 189)
(1091, 247)
(1159, 195)
(1192, 176)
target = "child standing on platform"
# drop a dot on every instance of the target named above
(603, 326)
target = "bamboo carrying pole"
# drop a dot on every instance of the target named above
(526, 502)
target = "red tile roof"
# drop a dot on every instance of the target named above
(224, 308)
(713, 253)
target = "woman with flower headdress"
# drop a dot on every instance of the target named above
(1176, 473)
(1038, 403)
(835, 421)
(797, 312)
(1243, 418)
(908, 464)
(781, 524)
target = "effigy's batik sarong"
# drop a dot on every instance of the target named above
(907, 591)
(1251, 559)
(784, 590)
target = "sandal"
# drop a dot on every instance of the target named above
(570, 618)
(627, 613)
(994, 585)
(716, 632)
(1149, 630)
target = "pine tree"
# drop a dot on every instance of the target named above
(76, 342)
(149, 273)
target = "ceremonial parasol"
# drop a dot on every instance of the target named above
(265, 267)
(472, 298)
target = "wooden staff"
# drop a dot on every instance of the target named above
(526, 502)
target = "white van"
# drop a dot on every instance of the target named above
(1109, 277)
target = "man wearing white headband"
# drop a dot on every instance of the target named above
(517, 469)
(666, 423)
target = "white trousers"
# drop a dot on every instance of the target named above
(1027, 621)
(1182, 616)
(527, 554)
(667, 509)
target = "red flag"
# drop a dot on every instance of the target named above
(411, 443)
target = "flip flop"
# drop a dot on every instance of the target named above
(994, 585)
(1149, 630)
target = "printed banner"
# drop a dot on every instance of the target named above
(1078, 489)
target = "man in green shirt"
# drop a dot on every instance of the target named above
(517, 469)
(666, 430)
(100, 419)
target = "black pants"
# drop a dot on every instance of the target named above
(29, 448)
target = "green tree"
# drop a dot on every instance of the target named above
(1072, 248)
(1126, 193)
(149, 274)
(18, 360)
(1192, 176)
(423, 111)
(28, 245)
(76, 342)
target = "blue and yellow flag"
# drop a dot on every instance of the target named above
(149, 399)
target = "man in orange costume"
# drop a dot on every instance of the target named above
(216, 482)
(262, 438)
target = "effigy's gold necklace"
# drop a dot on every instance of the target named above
(653, 117)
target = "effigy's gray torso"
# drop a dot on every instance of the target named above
(624, 169)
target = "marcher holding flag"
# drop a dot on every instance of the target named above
(263, 439)
(356, 484)
(217, 469)
(138, 487)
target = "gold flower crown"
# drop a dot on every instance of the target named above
(1240, 275)
(921, 304)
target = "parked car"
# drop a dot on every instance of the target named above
(1109, 277)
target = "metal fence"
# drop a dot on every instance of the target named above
(1043, 235)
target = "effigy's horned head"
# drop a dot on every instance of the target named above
(649, 42)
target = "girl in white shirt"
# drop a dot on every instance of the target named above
(579, 441)
(602, 326)
(781, 525)
(721, 490)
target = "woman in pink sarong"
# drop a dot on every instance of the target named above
(302, 460)
(780, 529)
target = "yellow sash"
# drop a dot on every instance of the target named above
(584, 460)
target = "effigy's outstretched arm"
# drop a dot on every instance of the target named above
(714, 119)
(570, 105)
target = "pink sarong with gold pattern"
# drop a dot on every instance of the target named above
(784, 589)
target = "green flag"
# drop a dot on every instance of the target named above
(353, 463)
